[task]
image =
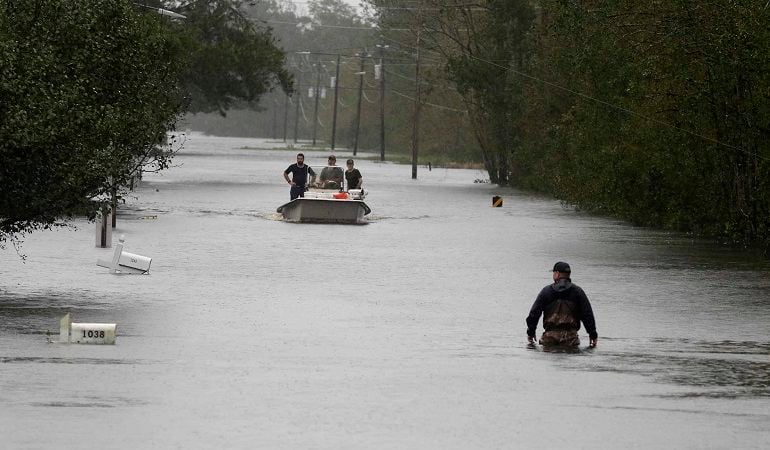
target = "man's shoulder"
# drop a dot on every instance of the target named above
(547, 290)
(578, 291)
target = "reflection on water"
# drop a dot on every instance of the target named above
(90, 401)
(668, 410)
(68, 360)
(725, 369)
(38, 312)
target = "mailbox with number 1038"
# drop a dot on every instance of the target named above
(92, 333)
(86, 333)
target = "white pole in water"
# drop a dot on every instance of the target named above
(64, 328)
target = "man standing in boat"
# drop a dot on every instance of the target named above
(563, 306)
(299, 173)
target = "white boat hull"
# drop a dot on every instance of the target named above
(318, 210)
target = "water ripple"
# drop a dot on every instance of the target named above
(723, 369)
(53, 360)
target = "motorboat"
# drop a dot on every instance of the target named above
(326, 202)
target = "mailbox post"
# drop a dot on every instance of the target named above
(103, 229)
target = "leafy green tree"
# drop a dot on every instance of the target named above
(662, 118)
(655, 112)
(476, 45)
(88, 90)
(484, 47)
(233, 59)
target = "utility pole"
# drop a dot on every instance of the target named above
(316, 94)
(275, 119)
(285, 114)
(418, 100)
(298, 99)
(360, 93)
(336, 93)
(382, 101)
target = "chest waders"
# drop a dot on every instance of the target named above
(561, 323)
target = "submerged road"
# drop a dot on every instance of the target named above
(408, 332)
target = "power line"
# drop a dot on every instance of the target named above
(334, 53)
(312, 25)
(434, 105)
(367, 98)
(302, 107)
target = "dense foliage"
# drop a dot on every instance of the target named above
(87, 91)
(684, 144)
(233, 59)
(656, 112)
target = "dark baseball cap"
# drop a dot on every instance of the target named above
(562, 267)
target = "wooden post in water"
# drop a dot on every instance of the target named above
(114, 204)
(103, 229)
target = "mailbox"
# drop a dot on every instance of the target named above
(86, 333)
(133, 261)
(125, 262)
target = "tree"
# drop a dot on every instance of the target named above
(662, 118)
(233, 60)
(484, 48)
(88, 91)
(476, 44)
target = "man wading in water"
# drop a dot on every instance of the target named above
(563, 306)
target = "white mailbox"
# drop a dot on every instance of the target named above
(132, 261)
(86, 333)
(125, 262)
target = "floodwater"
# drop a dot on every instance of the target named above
(408, 332)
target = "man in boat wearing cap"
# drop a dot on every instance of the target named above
(563, 306)
(331, 175)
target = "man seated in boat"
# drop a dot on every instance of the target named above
(331, 175)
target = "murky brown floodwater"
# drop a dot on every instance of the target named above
(405, 333)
